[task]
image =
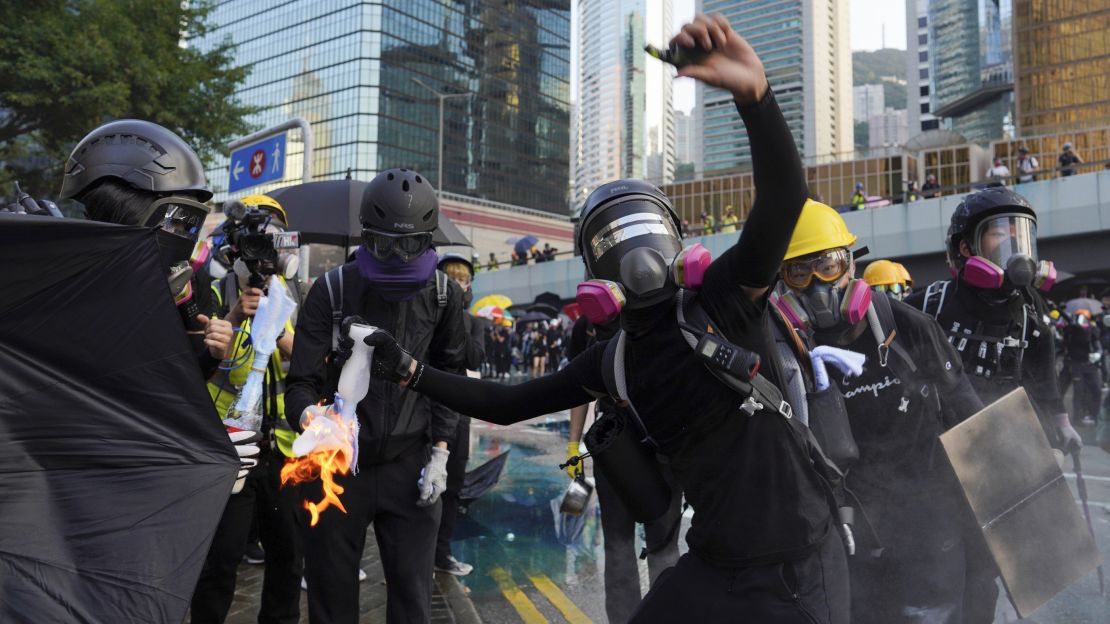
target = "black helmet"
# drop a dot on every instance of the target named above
(974, 209)
(399, 201)
(629, 217)
(142, 154)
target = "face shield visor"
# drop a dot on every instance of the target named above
(1004, 236)
(632, 243)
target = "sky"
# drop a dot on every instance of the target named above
(867, 19)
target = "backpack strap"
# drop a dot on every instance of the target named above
(441, 288)
(893, 355)
(935, 294)
(333, 279)
(616, 381)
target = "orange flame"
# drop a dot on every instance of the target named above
(321, 465)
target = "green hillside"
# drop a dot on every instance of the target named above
(870, 67)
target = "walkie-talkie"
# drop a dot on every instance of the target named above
(726, 356)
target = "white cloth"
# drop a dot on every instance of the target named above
(848, 362)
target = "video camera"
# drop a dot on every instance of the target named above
(247, 239)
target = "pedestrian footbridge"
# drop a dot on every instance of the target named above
(1073, 231)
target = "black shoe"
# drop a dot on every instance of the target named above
(255, 555)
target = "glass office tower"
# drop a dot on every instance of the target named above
(351, 69)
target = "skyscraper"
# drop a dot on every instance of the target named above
(807, 56)
(625, 124)
(351, 69)
(1063, 64)
(971, 66)
(919, 75)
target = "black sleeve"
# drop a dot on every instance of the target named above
(502, 404)
(305, 384)
(1039, 372)
(780, 193)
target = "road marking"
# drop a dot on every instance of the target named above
(556, 596)
(527, 611)
(1087, 477)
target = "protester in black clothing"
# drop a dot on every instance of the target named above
(904, 399)
(391, 284)
(1083, 354)
(930, 189)
(458, 268)
(622, 575)
(993, 317)
(763, 543)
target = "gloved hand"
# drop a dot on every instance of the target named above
(848, 362)
(391, 362)
(572, 451)
(1094, 357)
(246, 444)
(1069, 437)
(433, 477)
(346, 343)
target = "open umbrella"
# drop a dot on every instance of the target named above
(1084, 303)
(327, 212)
(491, 312)
(533, 316)
(524, 244)
(114, 466)
(500, 301)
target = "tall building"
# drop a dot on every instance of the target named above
(919, 75)
(971, 66)
(807, 55)
(887, 129)
(867, 101)
(351, 69)
(625, 124)
(1063, 65)
(683, 145)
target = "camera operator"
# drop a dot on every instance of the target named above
(258, 247)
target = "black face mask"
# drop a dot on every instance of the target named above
(467, 297)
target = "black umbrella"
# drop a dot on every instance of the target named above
(481, 479)
(114, 466)
(533, 316)
(327, 212)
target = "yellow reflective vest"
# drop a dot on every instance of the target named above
(225, 385)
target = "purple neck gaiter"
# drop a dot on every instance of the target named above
(394, 279)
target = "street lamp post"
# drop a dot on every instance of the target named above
(441, 97)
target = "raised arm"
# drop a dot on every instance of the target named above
(780, 185)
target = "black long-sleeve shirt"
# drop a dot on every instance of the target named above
(757, 498)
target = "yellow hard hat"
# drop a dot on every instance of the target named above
(819, 228)
(906, 277)
(265, 201)
(882, 273)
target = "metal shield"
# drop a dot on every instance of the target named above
(1021, 501)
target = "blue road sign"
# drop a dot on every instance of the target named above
(257, 163)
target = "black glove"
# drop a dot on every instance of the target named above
(391, 362)
(343, 349)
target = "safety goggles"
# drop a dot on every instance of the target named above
(895, 289)
(404, 246)
(827, 266)
(178, 216)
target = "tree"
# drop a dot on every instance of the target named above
(70, 65)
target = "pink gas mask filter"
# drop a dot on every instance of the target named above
(601, 301)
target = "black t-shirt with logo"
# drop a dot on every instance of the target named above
(895, 427)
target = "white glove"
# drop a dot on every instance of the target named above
(848, 362)
(1094, 357)
(1069, 437)
(246, 444)
(433, 477)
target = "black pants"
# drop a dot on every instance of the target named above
(622, 574)
(384, 494)
(1088, 390)
(808, 591)
(276, 510)
(921, 575)
(456, 474)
